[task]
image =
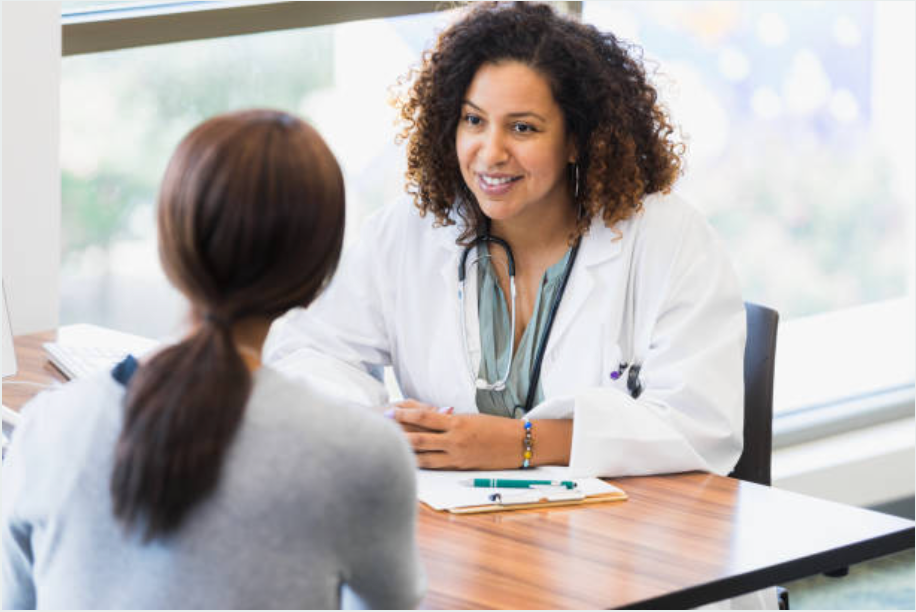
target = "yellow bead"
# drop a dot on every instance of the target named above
(527, 454)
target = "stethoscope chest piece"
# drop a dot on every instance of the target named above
(483, 385)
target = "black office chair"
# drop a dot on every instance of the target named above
(759, 365)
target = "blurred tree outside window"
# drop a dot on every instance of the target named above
(123, 113)
(777, 104)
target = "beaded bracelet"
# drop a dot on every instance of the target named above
(528, 442)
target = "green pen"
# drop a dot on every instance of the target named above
(512, 483)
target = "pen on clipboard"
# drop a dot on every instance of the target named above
(517, 483)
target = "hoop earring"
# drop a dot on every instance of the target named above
(576, 189)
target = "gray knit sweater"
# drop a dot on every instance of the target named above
(316, 501)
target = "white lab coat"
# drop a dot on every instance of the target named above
(394, 302)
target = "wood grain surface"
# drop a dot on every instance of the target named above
(33, 368)
(706, 537)
(678, 541)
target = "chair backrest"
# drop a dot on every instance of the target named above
(759, 363)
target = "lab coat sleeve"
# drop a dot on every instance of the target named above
(339, 344)
(690, 334)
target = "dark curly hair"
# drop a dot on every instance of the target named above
(627, 145)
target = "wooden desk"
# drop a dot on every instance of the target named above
(679, 541)
(34, 367)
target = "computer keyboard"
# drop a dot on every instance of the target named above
(82, 361)
(82, 350)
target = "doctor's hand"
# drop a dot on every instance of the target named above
(461, 442)
(410, 404)
(478, 441)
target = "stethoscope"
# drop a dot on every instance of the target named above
(633, 383)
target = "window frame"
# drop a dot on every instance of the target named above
(100, 29)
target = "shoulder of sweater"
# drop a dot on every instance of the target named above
(344, 424)
(366, 455)
(62, 428)
(63, 410)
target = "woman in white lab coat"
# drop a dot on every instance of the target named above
(545, 133)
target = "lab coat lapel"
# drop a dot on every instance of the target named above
(578, 289)
(472, 322)
(598, 246)
(449, 274)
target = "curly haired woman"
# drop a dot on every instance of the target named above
(615, 345)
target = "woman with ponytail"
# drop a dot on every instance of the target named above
(199, 478)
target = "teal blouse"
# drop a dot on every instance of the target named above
(495, 336)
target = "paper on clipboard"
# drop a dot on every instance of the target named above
(443, 490)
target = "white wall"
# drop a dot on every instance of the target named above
(30, 159)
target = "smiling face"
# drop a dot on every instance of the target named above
(512, 144)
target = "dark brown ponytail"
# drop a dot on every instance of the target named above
(251, 221)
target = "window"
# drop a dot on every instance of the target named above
(124, 111)
(799, 124)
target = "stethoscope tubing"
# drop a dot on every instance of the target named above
(481, 383)
(634, 385)
(542, 345)
(462, 270)
(535, 375)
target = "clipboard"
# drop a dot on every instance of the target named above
(539, 499)
(447, 491)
